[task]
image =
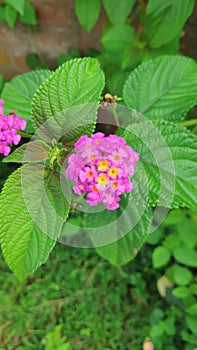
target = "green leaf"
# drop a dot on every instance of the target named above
(131, 58)
(156, 315)
(169, 324)
(193, 289)
(157, 330)
(187, 337)
(192, 310)
(180, 292)
(118, 38)
(179, 275)
(35, 151)
(29, 15)
(10, 16)
(171, 48)
(155, 237)
(174, 217)
(78, 84)
(118, 11)
(76, 224)
(2, 15)
(17, 5)
(160, 14)
(123, 249)
(163, 88)
(188, 232)
(1, 83)
(127, 247)
(160, 257)
(116, 81)
(30, 190)
(18, 94)
(171, 241)
(64, 57)
(185, 255)
(169, 158)
(192, 324)
(87, 12)
(34, 61)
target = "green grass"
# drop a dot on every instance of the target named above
(78, 301)
(96, 307)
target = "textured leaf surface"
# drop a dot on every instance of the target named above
(170, 162)
(163, 88)
(161, 14)
(25, 246)
(118, 11)
(126, 248)
(118, 38)
(18, 93)
(35, 151)
(127, 227)
(87, 12)
(78, 84)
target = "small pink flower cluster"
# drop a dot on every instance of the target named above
(8, 130)
(101, 167)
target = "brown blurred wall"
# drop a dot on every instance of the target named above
(57, 31)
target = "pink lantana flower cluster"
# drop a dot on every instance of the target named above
(8, 130)
(101, 167)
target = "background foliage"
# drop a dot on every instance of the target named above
(78, 300)
(81, 301)
(23, 10)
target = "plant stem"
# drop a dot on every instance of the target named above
(24, 134)
(122, 273)
(189, 122)
(116, 117)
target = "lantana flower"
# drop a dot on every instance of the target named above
(101, 168)
(9, 125)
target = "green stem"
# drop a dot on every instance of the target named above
(36, 47)
(24, 134)
(116, 117)
(122, 273)
(189, 122)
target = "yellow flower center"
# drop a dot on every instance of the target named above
(102, 179)
(103, 164)
(113, 172)
(81, 187)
